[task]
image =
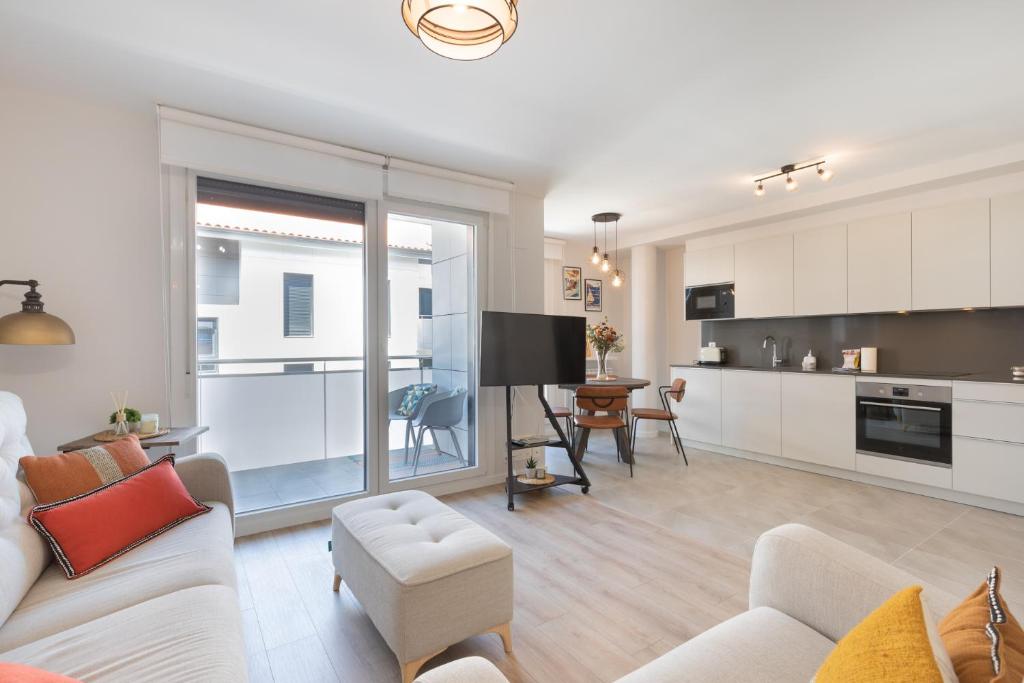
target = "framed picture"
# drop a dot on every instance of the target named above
(594, 295)
(572, 276)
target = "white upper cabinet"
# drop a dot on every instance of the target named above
(1007, 247)
(764, 277)
(708, 266)
(819, 271)
(951, 252)
(878, 264)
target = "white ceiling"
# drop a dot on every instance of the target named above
(660, 109)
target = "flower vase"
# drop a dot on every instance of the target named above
(602, 365)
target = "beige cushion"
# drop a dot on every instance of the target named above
(196, 553)
(761, 645)
(184, 637)
(465, 670)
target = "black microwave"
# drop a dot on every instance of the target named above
(711, 302)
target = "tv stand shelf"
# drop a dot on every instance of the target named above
(515, 487)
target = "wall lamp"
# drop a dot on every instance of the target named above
(788, 170)
(31, 325)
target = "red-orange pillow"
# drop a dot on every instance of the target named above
(56, 477)
(19, 673)
(87, 531)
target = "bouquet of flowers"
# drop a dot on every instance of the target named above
(603, 338)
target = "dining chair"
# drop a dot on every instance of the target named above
(675, 391)
(443, 410)
(613, 401)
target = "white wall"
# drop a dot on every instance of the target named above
(81, 213)
(682, 339)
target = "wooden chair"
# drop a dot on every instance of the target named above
(563, 413)
(614, 402)
(675, 392)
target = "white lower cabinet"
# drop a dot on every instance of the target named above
(929, 475)
(818, 423)
(988, 468)
(751, 411)
(700, 413)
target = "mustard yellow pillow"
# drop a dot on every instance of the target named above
(890, 645)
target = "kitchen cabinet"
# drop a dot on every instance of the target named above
(903, 470)
(1007, 247)
(700, 413)
(951, 252)
(819, 271)
(708, 266)
(988, 468)
(764, 277)
(988, 439)
(878, 264)
(818, 423)
(751, 411)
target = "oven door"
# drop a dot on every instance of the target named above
(710, 302)
(908, 430)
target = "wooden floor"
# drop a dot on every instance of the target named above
(609, 581)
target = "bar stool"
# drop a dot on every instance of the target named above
(675, 392)
(614, 402)
(563, 413)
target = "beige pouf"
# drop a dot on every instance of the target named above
(427, 576)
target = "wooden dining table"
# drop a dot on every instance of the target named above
(630, 383)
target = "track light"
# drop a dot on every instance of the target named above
(791, 184)
(825, 173)
(759, 189)
(788, 170)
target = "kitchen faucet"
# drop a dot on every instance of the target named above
(776, 361)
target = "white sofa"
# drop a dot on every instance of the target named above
(806, 591)
(166, 611)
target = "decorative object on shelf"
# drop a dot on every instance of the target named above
(571, 277)
(618, 277)
(539, 481)
(1017, 371)
(32, 326)
(809, 361)
(851, 359)
(150, 424)
(540, 473)
(788, 170)
(132, 416)
(604, 338)
(464, 30)
(109, 436)
(595, 295)
(531, 468)
(120, 417)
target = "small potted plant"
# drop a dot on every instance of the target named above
(531, 468)
(132, 416)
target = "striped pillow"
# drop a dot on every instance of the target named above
(984, 640)
(56, 477)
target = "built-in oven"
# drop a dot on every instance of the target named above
(710, 302)
(906, 422)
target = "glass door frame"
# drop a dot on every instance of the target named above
(479, 223)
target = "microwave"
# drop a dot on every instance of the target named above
(711, 302)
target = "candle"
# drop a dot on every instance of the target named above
(150, 423)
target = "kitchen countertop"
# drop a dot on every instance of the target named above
(1003, 378)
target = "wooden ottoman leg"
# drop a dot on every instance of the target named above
(505, 631)
(337, 583)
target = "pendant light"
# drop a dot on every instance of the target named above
(606, 264)
(595, 258)
(462, 30)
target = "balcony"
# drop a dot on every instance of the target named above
(292, 429)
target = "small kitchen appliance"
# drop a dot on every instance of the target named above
(712, 354)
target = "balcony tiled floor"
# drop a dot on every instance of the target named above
(268, 487)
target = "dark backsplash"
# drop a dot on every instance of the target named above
(938, 341)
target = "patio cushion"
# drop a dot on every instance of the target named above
(413, 395)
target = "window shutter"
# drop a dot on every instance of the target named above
(298, 305)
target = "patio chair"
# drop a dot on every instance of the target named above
(394, 401)
(442, 410)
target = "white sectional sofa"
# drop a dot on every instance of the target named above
(166, 611)
(807, 590)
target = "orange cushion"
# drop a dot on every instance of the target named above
(981, 655)
(87, 531)
(19, 673)
(56, 477)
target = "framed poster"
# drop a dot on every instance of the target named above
(594, 295)
(571, 278)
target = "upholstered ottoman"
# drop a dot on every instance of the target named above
(427, 576)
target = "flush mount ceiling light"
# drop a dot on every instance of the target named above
(788, 170)
(465, 31)
(605, 218)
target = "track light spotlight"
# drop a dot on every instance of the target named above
(759, 189)
(791, 184)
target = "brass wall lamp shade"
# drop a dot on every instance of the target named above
(462, 30)
(31, 325)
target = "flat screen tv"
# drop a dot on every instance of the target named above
(518, 349)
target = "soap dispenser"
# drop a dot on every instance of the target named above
(810, 362)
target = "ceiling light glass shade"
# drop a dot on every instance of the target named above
(791, 184)
(605, 264)
(595, 258)
(463, 30)
(34, 327)
(825, 174)
(759, 189)
(617, 280)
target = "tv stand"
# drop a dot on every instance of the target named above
(512, 485)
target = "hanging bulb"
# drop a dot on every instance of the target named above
(759, 189)
(605, 264)
(595, 258)
(617, 280)
(791, 184)
(825, 174)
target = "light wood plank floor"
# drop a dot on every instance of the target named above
(609, 581)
